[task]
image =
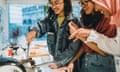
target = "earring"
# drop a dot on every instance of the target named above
(102, 11)
(96, 10)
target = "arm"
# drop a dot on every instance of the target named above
(79, 53)
(37, 30)
(69, 53)
(82, 34)
(108, 45)
(94, 47)
(40, 28)
(65, 57)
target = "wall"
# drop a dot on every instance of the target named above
(27, 1)
(3, 5)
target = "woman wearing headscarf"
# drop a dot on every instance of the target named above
(94, 38)
(109, 45)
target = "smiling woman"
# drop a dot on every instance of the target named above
(56, 27)
(97, 15)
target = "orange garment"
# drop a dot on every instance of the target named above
(114, 8)
(10, 52)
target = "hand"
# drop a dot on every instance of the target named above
(30, 36)
(81, 33)
(73, 27)
(70, 67)
(63, 69)
(84, 32)
(53, 66)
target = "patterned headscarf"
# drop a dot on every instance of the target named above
(114, 8)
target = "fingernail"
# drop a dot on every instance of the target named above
(69, 37)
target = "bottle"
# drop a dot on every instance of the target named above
(10, 52)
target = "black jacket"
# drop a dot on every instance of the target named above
(59, 45)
